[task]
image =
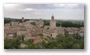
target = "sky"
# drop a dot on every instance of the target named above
(45, 11)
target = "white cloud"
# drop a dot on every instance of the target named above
(59, 5)
(72, 5)
(10, 5)
(65, 5)
(27, 9)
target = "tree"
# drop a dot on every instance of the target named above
(46, 23)
(12, 43)
(33, 23)
(60, 42)
(41, 35)
(71, 24)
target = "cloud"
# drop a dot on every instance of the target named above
(10, 5)
(37, 13)
(40, 7)
(27, 9)
(65, 5)
(59, 5)
(60, 11)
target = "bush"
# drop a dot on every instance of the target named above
(12, 43)
(33, 23)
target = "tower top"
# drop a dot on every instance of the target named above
(22, 19)
(52, 18)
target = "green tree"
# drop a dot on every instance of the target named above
(33, 23)
(12, 43)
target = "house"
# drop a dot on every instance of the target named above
(69, 31)
(37, 39)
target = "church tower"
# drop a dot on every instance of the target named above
(52, 18)
(52, 23)
(22, 19)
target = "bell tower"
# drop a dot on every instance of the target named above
(22, 19)
(52, 23)
(52, 18)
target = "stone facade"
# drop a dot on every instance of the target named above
(39, 23)
(15, 29)
(52, 23)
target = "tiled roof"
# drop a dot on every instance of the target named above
(37, 40)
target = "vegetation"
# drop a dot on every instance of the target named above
(12, 43)
(60, 42)
(41, 35)
(7, 20)
(33, 23)
(65, 23)
(58, 23)
(46, 23)
(71, 24)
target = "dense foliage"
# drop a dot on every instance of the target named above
(7, 20)
(12, 43)
(65, 23)
(71, 24)
(46, 23)
(60, 42)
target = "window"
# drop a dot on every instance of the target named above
(47, 28)
(10, 35)
(51, 34)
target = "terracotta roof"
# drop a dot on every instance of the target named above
(37, 40)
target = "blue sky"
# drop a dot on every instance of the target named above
(45, 11)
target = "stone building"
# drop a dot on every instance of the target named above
(52, 23)
(15, 29)
(22, 19)
(69, 31)
(81, 32)
(13, 23)
(10, 32)
(39, 23)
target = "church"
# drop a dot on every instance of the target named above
(52, 23)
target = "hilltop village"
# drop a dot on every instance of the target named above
(30, 31)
